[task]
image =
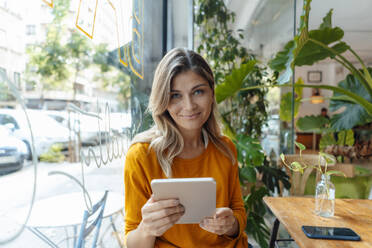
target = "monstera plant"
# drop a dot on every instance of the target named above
(354, 94)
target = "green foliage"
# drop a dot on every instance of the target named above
(353, 114)
(332, 172)
(247, 174)
(300, 166)
(249, 151)
(312, 123)
(60, 10)
(285, 111)
(326, 140)
(272, 176)
(327, 20)
(361, 171)
(309, 47)
(256, 210)
(243, 112)
(279, 63)
(330, 159)
(320, 124)
(101, 58)
(216, 40)
(58, 61)
(300, 146)
(345, 138)
(79, 51)
(54, 154)
(47, 61)
(233, 82)
(304, 51)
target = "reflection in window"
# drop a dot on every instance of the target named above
(6, 119)
(2, 38)
(30, 29)
(2, 74)
(17, 80)
(4, 3)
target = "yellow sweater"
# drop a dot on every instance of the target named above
(141, 166)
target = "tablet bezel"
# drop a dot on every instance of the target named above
(197, 195)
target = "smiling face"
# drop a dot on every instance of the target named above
(191, 100)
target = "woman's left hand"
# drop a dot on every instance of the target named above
(223, 222)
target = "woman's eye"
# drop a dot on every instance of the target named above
(198, 92)
(175, 96)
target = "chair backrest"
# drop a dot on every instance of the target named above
(298, 180)
(89, 224)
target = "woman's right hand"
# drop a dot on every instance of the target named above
(159, 216)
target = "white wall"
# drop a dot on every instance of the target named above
(12, 30)
(332, 74)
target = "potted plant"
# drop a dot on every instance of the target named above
(244, 113)
(325, 190)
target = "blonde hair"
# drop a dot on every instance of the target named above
(164, 137)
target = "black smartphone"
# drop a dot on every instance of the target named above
(323, 232)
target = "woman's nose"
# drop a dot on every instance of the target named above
(189, 103)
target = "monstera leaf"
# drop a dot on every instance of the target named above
(352, 114)
(234, 81)
(312, 123)
(282, 57)
(249, 151)
(327, 20)
(309, 47)
(313, 52)
(248, 174)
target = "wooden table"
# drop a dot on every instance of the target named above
(294, 212)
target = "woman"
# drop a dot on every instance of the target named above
(185, 141)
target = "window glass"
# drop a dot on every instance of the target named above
(79, 60)
(2, 74)
(17, 79)
(5, 119)
(2, 38)
(30, 29)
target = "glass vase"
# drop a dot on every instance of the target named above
(325, 197)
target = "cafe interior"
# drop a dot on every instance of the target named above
(294, 93)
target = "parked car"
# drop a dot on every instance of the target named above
(12, 151)
(89, 129)
(46, 130)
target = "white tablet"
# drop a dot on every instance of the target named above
(197, 195)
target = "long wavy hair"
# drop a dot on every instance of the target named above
(164, 137)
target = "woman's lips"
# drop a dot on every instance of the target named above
(190, 117)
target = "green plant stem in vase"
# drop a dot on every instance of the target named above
(325, 197)
(325, 190)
